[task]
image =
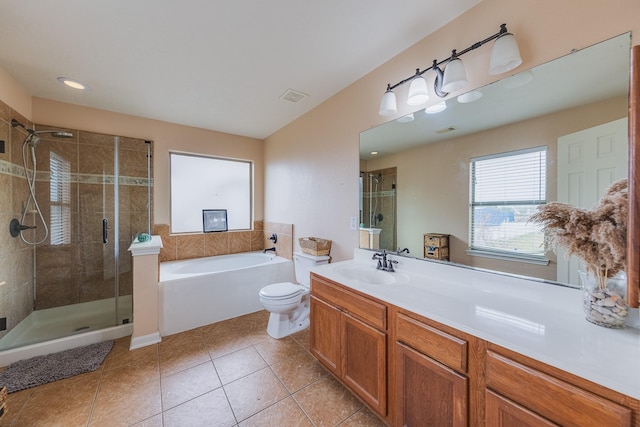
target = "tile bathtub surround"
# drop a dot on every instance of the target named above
(197, 245)
(229, 373)
(284, 247)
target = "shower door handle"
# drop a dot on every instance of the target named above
(105, 230)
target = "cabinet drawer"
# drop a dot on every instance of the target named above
(363, 308)
(436, 240)
(550, 397)
(440, 346)
(436, 253)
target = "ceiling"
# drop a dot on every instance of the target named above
(219, 65)
(593, 74)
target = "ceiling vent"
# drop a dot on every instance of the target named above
(446, 130)
(293, 96)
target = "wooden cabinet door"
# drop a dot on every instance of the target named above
(364, 351)
(325, 334)
(428, 393)
(502, 412)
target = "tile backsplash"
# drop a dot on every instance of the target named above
(197, 245)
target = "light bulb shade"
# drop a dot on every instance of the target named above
(505, 55)
(436, 108)
(468, 97)
(406, 119)
(388, 104)
(455, 76)
(418, 92)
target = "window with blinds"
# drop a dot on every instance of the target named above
(60, 195)
(506, 189)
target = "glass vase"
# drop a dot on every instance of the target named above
(604, 300)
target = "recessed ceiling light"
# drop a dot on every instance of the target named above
(373, 153)
(75, 84)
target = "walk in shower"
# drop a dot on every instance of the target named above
(77, 199)
(378, 205)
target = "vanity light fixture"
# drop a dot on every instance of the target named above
(436, 108)
(505, 56)
(468, 97)
(418, 92)
(455, 76)
(72, 83)
(406, 119)
(517, 80)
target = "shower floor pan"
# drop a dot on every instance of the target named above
(60, 328)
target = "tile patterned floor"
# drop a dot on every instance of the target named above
(225, 374)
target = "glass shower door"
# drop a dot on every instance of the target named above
(94, 194)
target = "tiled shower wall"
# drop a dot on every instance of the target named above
(197, 245)
(83, 269)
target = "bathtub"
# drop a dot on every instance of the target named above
(200, 291)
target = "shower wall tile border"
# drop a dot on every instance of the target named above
(12, 169)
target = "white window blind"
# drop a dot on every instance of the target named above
(506, 189)
(60, 195)
(200, 182)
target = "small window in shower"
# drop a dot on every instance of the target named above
(60, 190)
(199, 182)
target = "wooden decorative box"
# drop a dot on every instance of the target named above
(436, 246)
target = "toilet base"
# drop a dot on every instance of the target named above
(284, 324)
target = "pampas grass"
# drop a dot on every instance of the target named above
(597, 236)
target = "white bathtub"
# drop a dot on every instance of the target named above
(197, 292)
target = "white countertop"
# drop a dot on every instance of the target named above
(539, 320)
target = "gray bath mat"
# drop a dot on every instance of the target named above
(55, 366)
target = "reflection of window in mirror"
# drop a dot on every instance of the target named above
(199, 182)
(506, 189)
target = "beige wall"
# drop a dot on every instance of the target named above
(312, 164)
(433, 179)
(166, 137)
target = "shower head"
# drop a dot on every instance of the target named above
(55, 133)
(33, 139)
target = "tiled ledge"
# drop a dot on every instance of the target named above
(198, 245)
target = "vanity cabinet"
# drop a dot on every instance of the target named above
(431, 383)
(417, 372)
(348, 336)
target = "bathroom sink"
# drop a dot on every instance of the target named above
(369, 274)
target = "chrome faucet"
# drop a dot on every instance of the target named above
(399, 251)
(264, 251)
(384, 264)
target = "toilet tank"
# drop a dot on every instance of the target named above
(303, 263)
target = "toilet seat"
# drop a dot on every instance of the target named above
(278, 291)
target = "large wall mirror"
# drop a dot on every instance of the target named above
(419, 180)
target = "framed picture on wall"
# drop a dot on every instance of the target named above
(214, 220)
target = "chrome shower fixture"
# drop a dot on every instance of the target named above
(33, 139)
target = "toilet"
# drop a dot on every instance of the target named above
(288, 302)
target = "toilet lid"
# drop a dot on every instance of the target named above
(281, 290)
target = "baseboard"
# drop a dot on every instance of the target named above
(145, 340)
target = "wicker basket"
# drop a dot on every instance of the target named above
(315, 246)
